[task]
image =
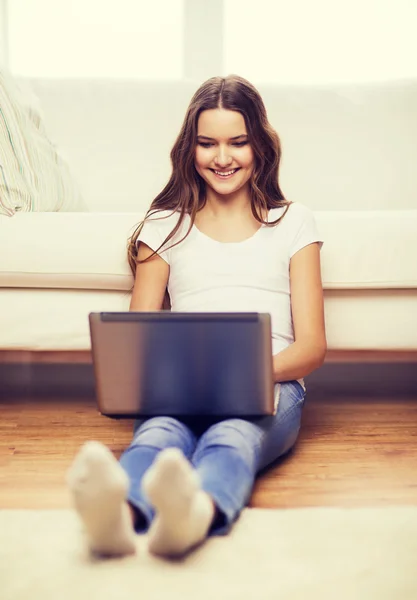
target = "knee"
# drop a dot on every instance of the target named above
(157, 432)
(235, 434)
(168, 423)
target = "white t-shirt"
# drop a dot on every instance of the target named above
(248, 276)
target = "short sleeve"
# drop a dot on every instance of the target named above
(305, 229)
(155, 230)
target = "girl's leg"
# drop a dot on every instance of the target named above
(184, 512)
(150, 437)
(231, 452)
(281, 431)
(164, 488)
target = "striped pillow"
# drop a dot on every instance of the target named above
(33, 177)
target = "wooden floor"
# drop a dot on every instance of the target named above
(351, 452)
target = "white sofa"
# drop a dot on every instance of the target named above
(349, 153)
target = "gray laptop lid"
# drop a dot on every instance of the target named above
(172, 363)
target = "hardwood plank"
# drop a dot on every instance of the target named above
(351, 451)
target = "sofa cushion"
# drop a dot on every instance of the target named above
(362, 249)
(33, 177)
(47, 319)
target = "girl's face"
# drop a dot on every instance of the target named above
(223, 147)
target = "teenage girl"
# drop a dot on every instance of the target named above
(219, 237)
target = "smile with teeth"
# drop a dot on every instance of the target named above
(225, 174)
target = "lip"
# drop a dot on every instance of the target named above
(221, 177)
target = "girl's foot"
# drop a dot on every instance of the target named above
(99, 486)
(184, 512)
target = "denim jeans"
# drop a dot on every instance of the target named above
(227, 453)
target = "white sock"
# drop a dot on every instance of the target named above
(99, 487)
(184, 512)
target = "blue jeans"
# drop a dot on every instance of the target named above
(227, 453)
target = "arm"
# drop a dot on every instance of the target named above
(308, 351)
(151, 280)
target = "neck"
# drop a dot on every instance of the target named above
(220, 206)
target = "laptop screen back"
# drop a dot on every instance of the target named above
(167, 363)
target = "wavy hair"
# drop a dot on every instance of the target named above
(185, 191)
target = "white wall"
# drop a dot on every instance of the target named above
(267, 41)
(320, 41)
(96, 38)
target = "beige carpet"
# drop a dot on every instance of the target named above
(326, 553)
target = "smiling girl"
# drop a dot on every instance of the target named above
(219, 237)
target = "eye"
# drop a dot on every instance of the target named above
(208, 144)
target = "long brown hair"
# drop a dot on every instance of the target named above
(185, 192)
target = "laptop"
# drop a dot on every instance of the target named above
(182, 363)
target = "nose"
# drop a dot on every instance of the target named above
(222, 159)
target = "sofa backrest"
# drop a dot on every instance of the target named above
(345, 147)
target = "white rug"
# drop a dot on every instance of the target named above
(305, 554)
